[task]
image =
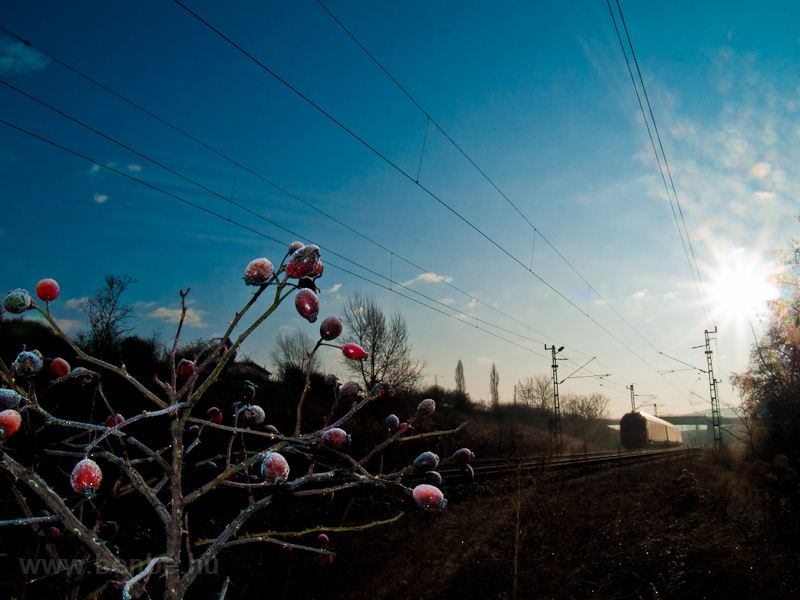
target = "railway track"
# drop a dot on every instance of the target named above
(592, 460)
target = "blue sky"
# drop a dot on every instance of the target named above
(536, 94)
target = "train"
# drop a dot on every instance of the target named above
(640, 430)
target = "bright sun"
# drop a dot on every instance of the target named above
(740, 288)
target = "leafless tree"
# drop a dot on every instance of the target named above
(494, 386)
(591, 407)
(536, 391)
(461, 384)
(108, 316)
(386, 342)
(291, 354)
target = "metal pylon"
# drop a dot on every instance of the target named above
(716, 417)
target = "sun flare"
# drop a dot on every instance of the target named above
(740, 287)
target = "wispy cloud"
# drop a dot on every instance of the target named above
(447, 301)
(486, 361)
(68, 325)
(430, 278)
(142, 305)
(194, 317)
(16, 57)
(640, 294)
(335, 288)
(75, 302)
(100, 198)
(95, 168)
(134, 168)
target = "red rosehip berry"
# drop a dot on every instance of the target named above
(295, 246)
(392, 422)
(351, 388)
(429, 497)
(9, 399)
(427, 461)
(322, 539)
(53, 533)
(17, 301)
(214, 415)
(336, 437)
(10, 420)
(274, 468)
(463, 456)
(303, 262)
(330, 328)
(113, 420)
(307, 304)
(27, 363)
(325, 560)
(86, 477)
(318, 271)
(60, 367)
(354, 352)
(258, 272)
(186, 368)
(426, 407)
(47, 290)
(468, 471)
(433, 478)
(247, 391)
(254, 415)
(271, 429)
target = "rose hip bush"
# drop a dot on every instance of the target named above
(155, 453)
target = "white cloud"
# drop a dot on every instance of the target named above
(671, 295)
(75, 302)
(68, 325)
(95, 168)
(16, 57)
(142, 305)
(446, 301)
(486, 361)
(194, 318)
(430, 278)
(100, 198)
(640, 294)
(335, 288)
(134, 168)
(763, 195)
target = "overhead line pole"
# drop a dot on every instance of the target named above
(556, 428)
(716, 417)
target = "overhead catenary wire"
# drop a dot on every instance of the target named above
(411, 178)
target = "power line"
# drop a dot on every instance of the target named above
(693, 260)
(483, 174)
(410, 178)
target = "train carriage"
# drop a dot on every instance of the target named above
(641, 430)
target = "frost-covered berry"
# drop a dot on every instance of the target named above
(186, 368)
(295, 246)
(17, 301)
(426, 407)
(427, 461)
(53, 533)
(336, 437)
(9, 399)
(304, 262)
(354, 352)
(463, 456)
(113, 420)
(258, 272)
(247, 391)
(322, 539)
(10, 420)
(274, 468)
(330, 328)
(27, 363)
(429, 497)
(214, 415)
(86, 477)
(351, 388)
(379, 389)
(254, 415)
(271, 429)
(47, 290)
(392, 422)
(331, 380)
(325, 560)
(433, 478)
(60, 367)
(307, 304)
